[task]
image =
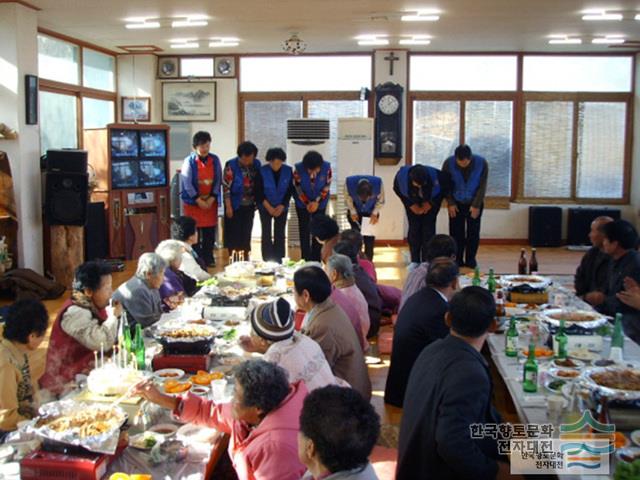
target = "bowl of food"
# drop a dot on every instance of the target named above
(532, 281)
(200, 390)
(175, 387)
(582, 318)
(164, 430)
(617, 383)
(555, 386)
(168, 374)
(146, 440)
(568, 363)
(541, 352)
(564, 373)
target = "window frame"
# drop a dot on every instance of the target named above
(519, 97)
(80, 91)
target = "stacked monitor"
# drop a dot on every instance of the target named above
(138, 158)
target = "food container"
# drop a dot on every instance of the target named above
(581, 319)
(185, 339)
(533, 282)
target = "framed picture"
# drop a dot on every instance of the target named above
(189, 101)
(136, 109)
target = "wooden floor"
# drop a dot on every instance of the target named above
(391, 267)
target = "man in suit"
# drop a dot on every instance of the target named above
(450, 389)
(420, 322)
(591, 275)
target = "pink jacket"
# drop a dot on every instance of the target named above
(270, 451)
(344, 302)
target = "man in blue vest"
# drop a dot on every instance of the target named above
(273, 193)
(468, 175)
(420, 188)
(238, 186)
(312, 184)
(364, 196)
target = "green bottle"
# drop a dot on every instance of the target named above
(138, 347)
(617, 340)
(561, 342)
(530, 371)
(127, 343)
(476, 282)
(491, 282)
(511, 339)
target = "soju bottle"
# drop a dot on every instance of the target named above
(138, 347)
(617, 340)
(511, 339)
(530, 371)
(491, 282)
(476, 282)
(127, 343)
(561, 342)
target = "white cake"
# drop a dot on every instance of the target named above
(112, 380)
(239, 270)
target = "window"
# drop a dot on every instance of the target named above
(58, 60)
(196, 67)
(305, 74)
(97, 113)
(547, 153)
(58, 121)
(265, 123)
(601, 142)
(463, 72)
(564, 73)
(487, 128)
(98, 70)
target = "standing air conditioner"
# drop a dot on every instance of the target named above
(304, 135)
(355, 157)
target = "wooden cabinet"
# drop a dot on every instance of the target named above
(137, 200)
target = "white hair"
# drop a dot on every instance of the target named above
(150, 264)
(170, 250)
(341, 264)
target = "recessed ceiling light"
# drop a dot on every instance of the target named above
(600, 15)
(609, 40)
(422, 16)
(142, 24)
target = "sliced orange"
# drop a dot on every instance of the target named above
(119, 476)
(140, 476)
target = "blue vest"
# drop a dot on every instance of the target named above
(275, 193)
(237, 186)
(463, 191)
(403, 180)
(305, 184)
(352, 184)
(190, 168)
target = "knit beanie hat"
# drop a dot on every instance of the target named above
(273, 321)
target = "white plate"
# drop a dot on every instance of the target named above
(628, 452)
(137, 441)
(175, 374)
(635, 437)
(554, 373)
(584, 355)
(579, 364)
(200, 390)
(193, 433)
(555, 392)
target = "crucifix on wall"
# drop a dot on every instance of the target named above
(391, 58)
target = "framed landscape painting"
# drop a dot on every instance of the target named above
(136, 109)
(189, 101)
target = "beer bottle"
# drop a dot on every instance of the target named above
(511, 339)
(561, 342)
(522, 263)
(476, 282)
(533, 263)
(530, 371)
(500, 308)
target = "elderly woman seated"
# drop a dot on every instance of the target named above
(172, 289)
(272, 334)
(140, 295)
(262, 419)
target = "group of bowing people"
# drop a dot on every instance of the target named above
(342, 309)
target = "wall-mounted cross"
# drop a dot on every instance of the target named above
(391, 58)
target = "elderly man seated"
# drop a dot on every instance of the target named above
(591, 275)
(140, 295)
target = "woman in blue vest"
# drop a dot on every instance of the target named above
(364, 197)
(465, 201)
(273, 193)
(420, 188)
(312, 184)
(238, 186)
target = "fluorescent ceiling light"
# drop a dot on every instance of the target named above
(565, 41)
(416, 40)
(376, 41)
(185, 45)
(142, 25)
(608, 40)
(421, 16)
(601, 15)
(189, 23)
(638, 16)
(224, 42)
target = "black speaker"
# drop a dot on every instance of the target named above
(545, 226)
(579, 223)
(65, 198)
(95, 232)
(65, 160)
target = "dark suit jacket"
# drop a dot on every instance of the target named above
(626, 266)
(420, 322)
(591, 275)
(449, 389)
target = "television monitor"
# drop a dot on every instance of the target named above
(124, 144)
(124, 174)
(152, 173)
(153, 144)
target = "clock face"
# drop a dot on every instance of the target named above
(168, 68)
(224, 67)
(388, 104)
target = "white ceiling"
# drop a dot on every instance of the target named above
(330, 25)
